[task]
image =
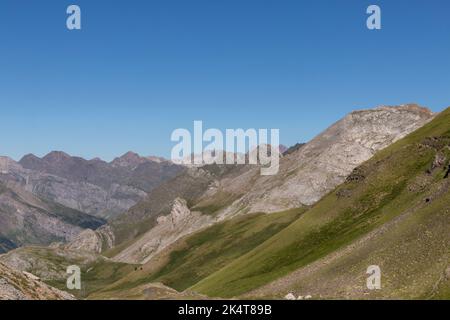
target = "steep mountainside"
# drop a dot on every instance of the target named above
(307, 172)
(393, 211)
(382, 198)
(27, 219)
(23, 286)
(97, 274)
(194, 257)
(191, 184)
(94, 186)
(311, 171)
(50, 265)
(56, 197)
(97, 172)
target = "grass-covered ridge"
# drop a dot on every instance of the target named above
(399, 179)
(213, 248)
(197, 256)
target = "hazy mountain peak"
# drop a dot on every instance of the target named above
(129, 159)
(29, 156)
(56, 156)
(130, 155)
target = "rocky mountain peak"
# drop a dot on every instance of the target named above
(129, 159)
(30, 157)
(97, 160)
(30, 161)
(56, 156)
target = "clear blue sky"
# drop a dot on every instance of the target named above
(139, 69)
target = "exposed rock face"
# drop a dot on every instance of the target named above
(87, 240)
(314, 169)
(20, 286)
(27, 219)
(94, 186)
(92, 241)
(93, 199)
(180, 222)
(189, 185)
(54, 198)
(180, 212)
(85, 197)
(307, 172)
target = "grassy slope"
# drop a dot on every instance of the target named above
(392, 185)
(195, 257)
(411, 250)
(51, 265)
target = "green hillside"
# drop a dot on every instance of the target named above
(50, 264)
(197, 256)
(393, 211)
(403, 189)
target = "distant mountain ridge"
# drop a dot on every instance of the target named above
(54, 198)
(101, 173)
(114, 186)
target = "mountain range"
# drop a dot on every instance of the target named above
(54, 198)
(372, 189)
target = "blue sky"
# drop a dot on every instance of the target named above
(140, 69)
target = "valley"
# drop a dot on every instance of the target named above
(372, 189)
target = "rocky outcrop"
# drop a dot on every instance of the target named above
(92, 241)
(180, 222)
(16, 285)
(88, 240)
